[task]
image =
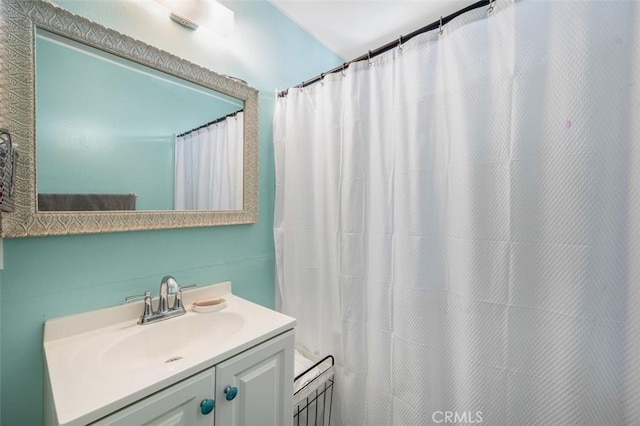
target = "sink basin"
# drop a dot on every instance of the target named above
(168, 341)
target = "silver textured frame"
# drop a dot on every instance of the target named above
(18, 21)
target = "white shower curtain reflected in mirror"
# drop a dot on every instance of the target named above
(459, 223)
(209, 167)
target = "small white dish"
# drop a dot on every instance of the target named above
(209, 308)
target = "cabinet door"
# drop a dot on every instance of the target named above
(178, 405)
(262, 380)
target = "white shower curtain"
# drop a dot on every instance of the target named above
(209, 167)
(459, 222)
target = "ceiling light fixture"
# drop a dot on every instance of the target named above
(193, 14)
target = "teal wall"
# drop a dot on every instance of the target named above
(54, 276)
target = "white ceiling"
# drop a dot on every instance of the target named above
(350, 28)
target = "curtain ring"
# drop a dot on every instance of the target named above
(441, 31)
(322, 79)
(301, 86)
(400, 44)
(344, 69)
(369, 58)
(490, 9)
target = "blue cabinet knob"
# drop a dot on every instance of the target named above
(230, 392)
(207, 406)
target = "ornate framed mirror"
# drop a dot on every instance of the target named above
(116, 135)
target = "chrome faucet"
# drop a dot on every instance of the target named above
(168, 286)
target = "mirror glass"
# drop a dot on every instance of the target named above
(112, 134)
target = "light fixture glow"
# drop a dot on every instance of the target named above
(183, 21)
(201, 13)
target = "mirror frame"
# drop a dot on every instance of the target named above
(17, 113)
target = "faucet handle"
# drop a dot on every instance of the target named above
(148, 309)
(137, 297)
(177, 302)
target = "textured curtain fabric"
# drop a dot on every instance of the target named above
(459, 222)
(209, 167)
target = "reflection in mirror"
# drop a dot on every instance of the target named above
(112, 134)
(208, 166)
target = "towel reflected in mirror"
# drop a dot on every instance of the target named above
(86, 202)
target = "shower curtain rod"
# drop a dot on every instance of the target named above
(217, 120)
(403, 39)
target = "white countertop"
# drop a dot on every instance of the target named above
(89, 381)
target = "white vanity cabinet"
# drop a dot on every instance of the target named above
(178, 405)
(253, 388)
(103, 368)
